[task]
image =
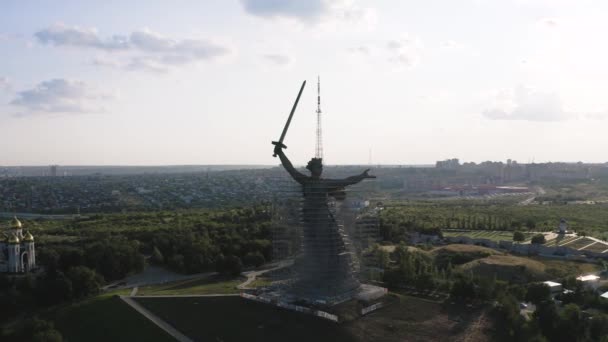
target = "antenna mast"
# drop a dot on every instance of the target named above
(319, 146)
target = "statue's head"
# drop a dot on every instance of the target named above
(315, 166)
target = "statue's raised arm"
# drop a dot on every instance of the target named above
(295, 174)
(342, 183)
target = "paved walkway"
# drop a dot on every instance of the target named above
(156, 320)
(251, 276)
(190, 296)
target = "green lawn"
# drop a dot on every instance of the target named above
(207, 285)
(597, 247)
(580, 243)
(261, 282)
(231, 319)
(236, 319)
(560, 240)
(494, 235)
(106, 318)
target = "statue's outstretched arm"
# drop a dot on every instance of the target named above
(340, 183)
(295, 174)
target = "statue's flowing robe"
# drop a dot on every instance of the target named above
(325, 267)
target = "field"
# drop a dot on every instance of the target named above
(591, 218)
(214, 319)
(578, 243)
(597, 247)
(199, 286)
(560, 241)
(106, 318)
(562, 268)
(494, 235)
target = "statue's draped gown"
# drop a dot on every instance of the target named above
(325, 266)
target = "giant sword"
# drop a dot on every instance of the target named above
(280, 142)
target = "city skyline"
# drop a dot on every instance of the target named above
(209, 83)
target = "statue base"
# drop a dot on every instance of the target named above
(366, 299)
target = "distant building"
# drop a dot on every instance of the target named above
(17, 252)
(590, 280)
(554, 287)
(449, 164)
(53, 170)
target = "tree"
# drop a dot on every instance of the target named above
(85, 281)
(546, 316)
(519, 236)
(517, 291)
(53, 288)
(157, 257)
(530, 224)
(510, 324)
(463, 289)
(50, 335)
(571, 325)
(538, 239)
(538, 293)
(255, 259)
(598, 326)
(38, 330)
(229, 265)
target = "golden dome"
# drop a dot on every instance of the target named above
(15, 223)
(13, 239)
(28, 237)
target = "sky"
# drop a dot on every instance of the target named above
(212, 82)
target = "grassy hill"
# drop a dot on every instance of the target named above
(507, 267)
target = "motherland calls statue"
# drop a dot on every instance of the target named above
(324, 269)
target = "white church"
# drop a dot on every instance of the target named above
(17, 253)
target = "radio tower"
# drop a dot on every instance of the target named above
(319, 146)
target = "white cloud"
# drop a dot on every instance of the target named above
(308, 10)
(405, 52)
(104, 61)
(5, 84)
(324, 12)
(148, 50)
(177, 51)
(597, 115)
(549, 22)
(277, 59)
(525, 103)
(360, 50)
(60, 96)
(62, 35)
(146, 64)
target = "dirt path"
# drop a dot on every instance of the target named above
(475, 331)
